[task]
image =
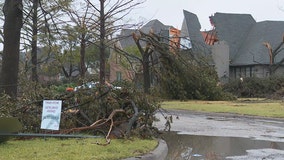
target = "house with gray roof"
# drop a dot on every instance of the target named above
(239, 49)
(248, 56)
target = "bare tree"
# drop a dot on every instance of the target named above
(111, 13)
(13, 12)
(70, 44)
(39, 18)
(83, 19)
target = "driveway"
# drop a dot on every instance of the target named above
(229, 125)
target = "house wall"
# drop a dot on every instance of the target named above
(280, 70)
(220, 55)
(117, 71)
(260, 71)
(237, 72)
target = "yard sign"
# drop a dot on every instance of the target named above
(51, 112)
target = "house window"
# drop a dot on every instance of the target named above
(118, 76)
(248, 71)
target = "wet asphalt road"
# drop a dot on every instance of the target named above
(229, 125)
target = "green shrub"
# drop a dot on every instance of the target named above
(257, 87)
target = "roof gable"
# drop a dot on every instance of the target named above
(191, 28)
(154, 25)
(232, 28)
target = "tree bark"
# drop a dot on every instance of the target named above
(146, 73)
(145, 53)
(82, 56)
(13, 12)
(102, 42)
(34, 41)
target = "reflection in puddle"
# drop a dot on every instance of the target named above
(192, 147)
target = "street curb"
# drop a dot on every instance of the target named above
(160, 153)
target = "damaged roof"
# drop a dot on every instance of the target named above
(232, 28)
(191, 28)
(245, 37)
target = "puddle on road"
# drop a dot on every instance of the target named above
(192, 147)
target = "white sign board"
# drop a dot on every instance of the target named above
(51, 112)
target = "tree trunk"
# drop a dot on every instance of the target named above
(102, 42)
(13, 12)
(145, 62)
(146, 73)
(82, 56)
(34, 41)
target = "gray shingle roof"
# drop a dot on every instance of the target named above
(125, 37)
(253, 51)
(233, 28)
(156, 26)
(191, 28)
(245, 37)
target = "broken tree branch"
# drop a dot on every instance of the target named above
(98, 123)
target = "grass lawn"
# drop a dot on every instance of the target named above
(257, 107)
(74, 149)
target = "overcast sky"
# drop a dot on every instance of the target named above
(170, 12)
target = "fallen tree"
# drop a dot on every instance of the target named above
(113, 113)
